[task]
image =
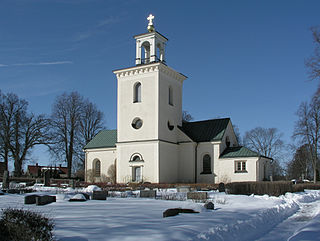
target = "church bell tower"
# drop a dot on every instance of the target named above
(149, 105)
(150, 46)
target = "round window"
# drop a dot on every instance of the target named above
(137, 123)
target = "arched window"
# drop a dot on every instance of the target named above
(145, 53)
(137, 93)
(170, 96)
(136, 157)
(206, 164)
(97, 168)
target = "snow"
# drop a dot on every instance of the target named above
(78, 196)
(236, 217)
(92, 188)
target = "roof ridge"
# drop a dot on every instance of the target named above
(227, 118)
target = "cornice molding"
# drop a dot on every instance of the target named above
(149, 68)
(172, 73)
(141, 69)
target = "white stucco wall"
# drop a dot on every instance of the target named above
(263, 171)
(227, 170)
(203, 149)
(154, 109)
(107, 157)
(150, 165)
(147, 109)
(167, 112)
(186, 164)
(168, 162)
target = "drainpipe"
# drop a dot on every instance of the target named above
(196, 163)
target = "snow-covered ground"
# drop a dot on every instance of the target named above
(236, 217)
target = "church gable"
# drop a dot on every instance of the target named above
(104, 139)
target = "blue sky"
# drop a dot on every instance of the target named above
(243, 59)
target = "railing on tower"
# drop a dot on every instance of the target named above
(147, 61)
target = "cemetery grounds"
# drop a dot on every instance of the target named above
(126, 216)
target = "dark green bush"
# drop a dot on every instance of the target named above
(24, 225)
(301, 187)
(260, 188)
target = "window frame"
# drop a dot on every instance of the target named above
(170, 96)
(97, 171)
(240, 166)
(137, 89)
(205, 168)
(134, 157)
(137, 123)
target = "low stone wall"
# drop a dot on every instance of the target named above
(200, 196)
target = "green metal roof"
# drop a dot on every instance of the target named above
(204, 131)
(105, 138)
(239, 151)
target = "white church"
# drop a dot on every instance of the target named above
(153, 144)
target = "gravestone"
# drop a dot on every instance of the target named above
(221, 187)
(99, 195)
(46, 199)
(209, 205)
(175, 211)
(5, 181)
(30, 199)
(183, 189)
(148, 193)
(13, 191)
(201, 196)
(47, 178)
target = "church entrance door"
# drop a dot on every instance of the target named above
(137, 173)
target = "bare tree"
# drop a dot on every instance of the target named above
(268, 142)
(65, 121)
(307, 129)
(75, 121)
(301, 164)
(91, 123)
(313, 63)
(6, 118)
(20, 131)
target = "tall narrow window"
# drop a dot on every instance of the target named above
(170, 96)
(137, 93)
(97, 168)
(206, 164)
